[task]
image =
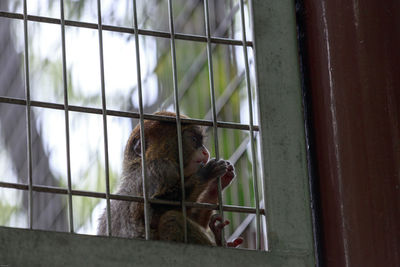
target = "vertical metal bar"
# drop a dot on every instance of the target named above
(214, 110)
(64, 66)
(251, 126)
(103, 98)
(28, 117)
(178, 119)
(142, 141)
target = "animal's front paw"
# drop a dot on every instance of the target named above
(216, 225)
(214, 168)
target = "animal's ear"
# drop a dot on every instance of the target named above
(137, 147)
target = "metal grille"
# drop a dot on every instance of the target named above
(211, 119)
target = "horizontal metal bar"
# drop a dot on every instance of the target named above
(162, 34)
(127, 114)
(64, 191)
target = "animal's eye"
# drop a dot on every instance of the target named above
(197, 141)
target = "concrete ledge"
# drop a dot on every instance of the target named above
(22, 247)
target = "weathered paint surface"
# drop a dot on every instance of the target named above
(354, 56)
(19, 247)
(282, 128)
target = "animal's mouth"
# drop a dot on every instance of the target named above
(202, 161)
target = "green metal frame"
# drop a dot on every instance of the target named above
(284, 168)
(281, 119)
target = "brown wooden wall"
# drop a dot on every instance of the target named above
(353, 54)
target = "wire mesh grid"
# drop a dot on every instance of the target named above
(211, 119)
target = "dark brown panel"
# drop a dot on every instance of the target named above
(353, 52)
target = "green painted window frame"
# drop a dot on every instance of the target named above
(284, 168)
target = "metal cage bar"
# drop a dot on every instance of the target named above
(64, 191)
(126, 114)
(28, 116)
(104, 109)
(141, 116)
(67, 143)
(252, 145)
(178, 118)
(214, 110)
(162, 34)
(142, 140)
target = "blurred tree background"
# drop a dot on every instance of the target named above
(83, 73)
